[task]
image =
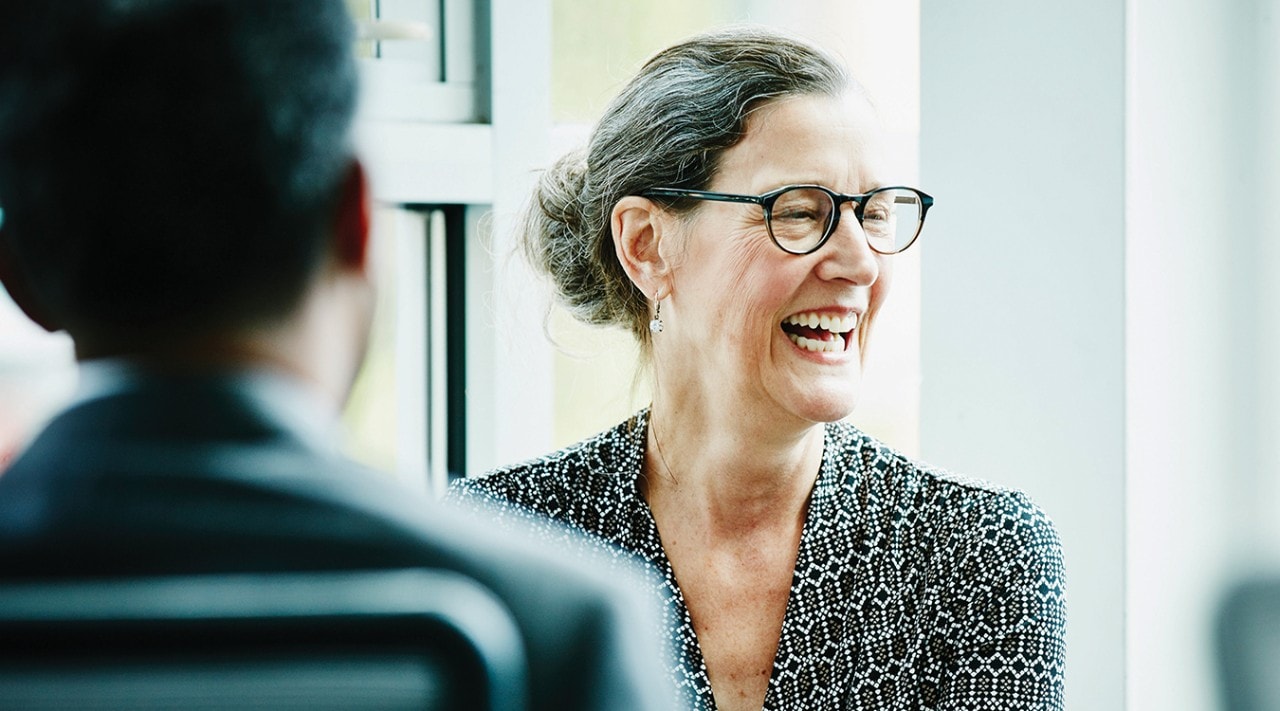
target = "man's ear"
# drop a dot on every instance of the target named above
(351, 220)
(19, 287)
(638, 226)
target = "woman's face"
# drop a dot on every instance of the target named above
(740, 328)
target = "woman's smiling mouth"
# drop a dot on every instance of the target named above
(820, 333)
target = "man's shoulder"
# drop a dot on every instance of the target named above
(269, 506)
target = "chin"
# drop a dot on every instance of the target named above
(830, 405)
(831, 414)
(821, 393)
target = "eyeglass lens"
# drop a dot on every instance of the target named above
(801, 217)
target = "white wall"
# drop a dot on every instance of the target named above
(1265, 150)
(1022, 144)
(1191, 281)
(1100, 300)
(1202, 346)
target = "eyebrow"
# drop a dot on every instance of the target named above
(874, 185)
(867, 186)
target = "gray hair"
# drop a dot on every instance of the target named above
(668, 128)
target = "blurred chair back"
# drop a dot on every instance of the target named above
(402, 639)
(1249, 646)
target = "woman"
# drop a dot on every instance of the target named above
(732, 211)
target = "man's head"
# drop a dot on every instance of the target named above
(172, 168)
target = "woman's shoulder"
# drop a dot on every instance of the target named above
(976, 514)
(986, 559)
(552, 485)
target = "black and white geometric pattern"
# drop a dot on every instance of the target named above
(913, 588)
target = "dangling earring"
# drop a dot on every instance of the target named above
(655, 325)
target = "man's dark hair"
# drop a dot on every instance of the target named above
(172, 164)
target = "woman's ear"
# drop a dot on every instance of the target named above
(638, 225)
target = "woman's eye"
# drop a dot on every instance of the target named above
(802, 206)
(796, 215)
(876, 215)
(879, 209)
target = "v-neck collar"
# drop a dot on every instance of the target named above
(817, 646)
(824, 601)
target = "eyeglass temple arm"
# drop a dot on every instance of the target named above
(702, 195)
(926, 200)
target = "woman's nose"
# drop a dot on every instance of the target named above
(847, 254)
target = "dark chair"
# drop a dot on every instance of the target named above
(1249, 646)
(402, 639)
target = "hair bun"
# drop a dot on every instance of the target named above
(560, 239)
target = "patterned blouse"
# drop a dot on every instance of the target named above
(913, 589)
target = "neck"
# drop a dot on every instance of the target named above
(735, 474)
(318, 344)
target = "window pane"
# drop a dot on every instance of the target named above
(597, 46)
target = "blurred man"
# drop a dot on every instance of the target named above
(180, 195)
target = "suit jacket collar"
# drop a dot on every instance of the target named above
(187, 406)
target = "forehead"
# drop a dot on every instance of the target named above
(829, 140)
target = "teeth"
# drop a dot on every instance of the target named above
(835, 324)
(816, 346)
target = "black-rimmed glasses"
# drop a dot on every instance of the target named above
(800, 218)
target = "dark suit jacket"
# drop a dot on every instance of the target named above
(178, 476)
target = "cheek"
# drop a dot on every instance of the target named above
(739, 278)
(748, 261)
(735, 264)
(745, 287)
(763, 282)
